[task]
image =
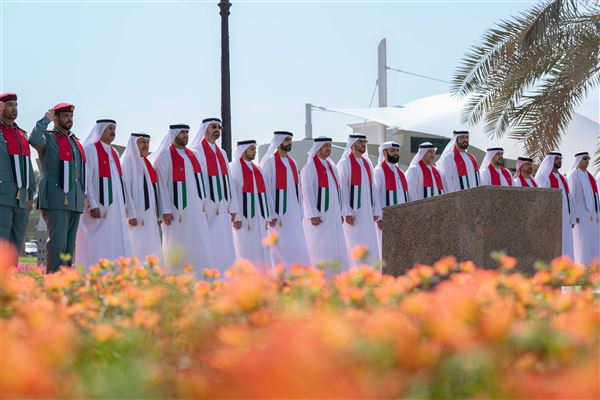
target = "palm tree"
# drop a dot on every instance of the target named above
(529, 73)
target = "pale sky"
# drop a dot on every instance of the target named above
(148, 64)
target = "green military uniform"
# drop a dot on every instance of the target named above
(14, 209)
(60, 210)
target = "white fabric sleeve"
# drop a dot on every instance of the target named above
(485, 177)
(344, 173)
(268, 170)
(236, 180)
(163, 170)
(415, 183)
(517, 182)
(309, 195)
(91, 174)
(377, 204)
(379, 189)
(129, 189)
(448, 173)
(577, 200)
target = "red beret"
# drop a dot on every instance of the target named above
(64, 107)
(8, 96)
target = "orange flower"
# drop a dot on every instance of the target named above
(271, 239)
(508, 263)
(105, 332)
(360, 252)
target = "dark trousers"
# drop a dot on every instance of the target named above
(13, 223)
(62, 229)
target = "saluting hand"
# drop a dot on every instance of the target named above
(50, 114)
(95, 212)
(168, 218)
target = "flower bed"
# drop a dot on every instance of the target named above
(451, 330)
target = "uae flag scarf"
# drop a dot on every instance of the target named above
(281, 188)
(323, 184)
(105, 175)
(66, 177)
(179, 182)
(391, 189)
(19, 154)
(249, 197)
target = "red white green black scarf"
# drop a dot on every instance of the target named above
(461, 168)
(248, 194)
(153, 181)
(524, 182)
(428, 176)
(218, 185)
(66, 179)
(554, 185)
(19, 154)
(495, 176)
(323, 184)
(356, 182)
(179, 183)
(391, 189)
(281, 183)
(105, 175)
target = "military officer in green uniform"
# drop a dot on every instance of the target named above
(62, 182)
(17, 181)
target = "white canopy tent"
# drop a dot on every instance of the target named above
(440, 115)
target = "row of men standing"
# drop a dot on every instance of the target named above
(213, 212)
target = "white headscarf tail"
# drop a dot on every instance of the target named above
(316, 146)
(275, 143)
(421, 153)
(546, 167)
(96, 133)
(488, 157)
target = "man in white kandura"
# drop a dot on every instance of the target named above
(586, 205)
(360, 207)
(458, 167)
(523, 176)
(221, 202)
(256, 208)
(424, 179)
(548, 176)
(182, 191)
(391, 186)
(283, 183)
(322, 197)
(492, 169)
(103, 231)
(141, 181)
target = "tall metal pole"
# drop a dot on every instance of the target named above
(382, 73)
(308, 121)
(225, 84)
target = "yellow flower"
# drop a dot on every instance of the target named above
(360, 252)
(105, 332)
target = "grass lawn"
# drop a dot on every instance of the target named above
(27, 260)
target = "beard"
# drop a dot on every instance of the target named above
(393, 159)
(464, 146)
(501, 162)
(287, 148)
(557, 165)
(181, 142)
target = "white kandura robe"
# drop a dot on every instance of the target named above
(105, 237)
(326, 243)
(291, 245)
(486, 179)
(145, 236)
(363, 230)
(248, 240)
(414, 177)
(568, 218)
(186, 240)
(586, 232)
(517, 182)
(449, 172)
(380, 192)
(218, 215)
